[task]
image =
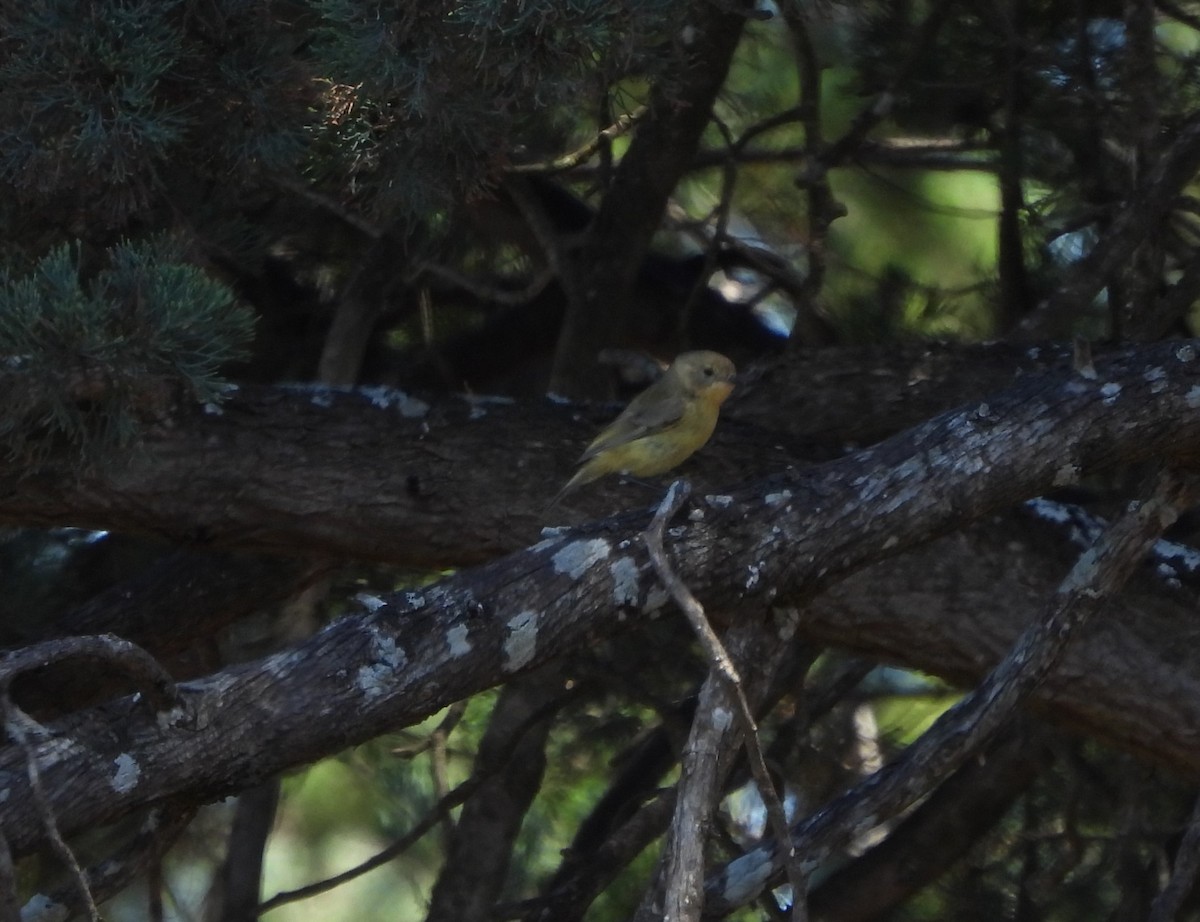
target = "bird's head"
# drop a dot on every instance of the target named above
(705, 373)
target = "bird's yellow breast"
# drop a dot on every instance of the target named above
(661, 451)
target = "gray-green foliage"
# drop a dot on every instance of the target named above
(91, 351)
(120, 110)
(428, 102)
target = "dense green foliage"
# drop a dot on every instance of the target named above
(92, 350)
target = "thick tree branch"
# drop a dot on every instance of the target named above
(937, 833)
(976, 719)
(1122, 681)
(380, 475)
(601, 282)
(509, 764)
(237, 884)
(741, 553)
(693, 814)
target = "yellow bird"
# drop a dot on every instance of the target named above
(663, 425)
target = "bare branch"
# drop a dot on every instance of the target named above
(881, 107)
(974, 720)
(130, 660)
(156, 834)
(570, 160)
(239, 879)
(20, 727)
(695, 800)
(745, 551)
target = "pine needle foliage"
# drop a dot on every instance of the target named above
(123, 112)
(97, 356)
(428, 103)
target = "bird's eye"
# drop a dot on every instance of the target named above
(709, 371)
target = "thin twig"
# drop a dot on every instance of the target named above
(431, 819)
(157, 688)
(722, 664)
(965, 728)
(454, 715)
(1175, 11)
(332, 206)
(436, 815)
(154, 891)
(20, 726)
(579, 155)
(823, 208)
(157, 832)
(729, 177)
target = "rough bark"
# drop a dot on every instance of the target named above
(936, 835)
(742, 553)
(377, 474)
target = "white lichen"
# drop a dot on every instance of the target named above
(625, 581)
(521, 643)
(1066, 475)
(1181, 554)
(374, 678)
(456, 640)
(171, 718)
(754, 572)
(322, 397)
(578, 557)
(128, 772)
(386, 398)
(40, 908)
(369, 601)
(480, 402)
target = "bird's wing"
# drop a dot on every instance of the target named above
(638, 420)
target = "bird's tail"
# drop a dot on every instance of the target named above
(585, 474)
